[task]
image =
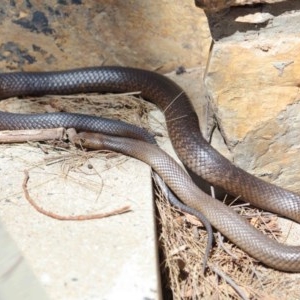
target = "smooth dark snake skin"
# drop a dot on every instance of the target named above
(186, 137)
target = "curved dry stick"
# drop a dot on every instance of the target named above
(53, 215)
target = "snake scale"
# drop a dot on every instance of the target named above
(184, 131)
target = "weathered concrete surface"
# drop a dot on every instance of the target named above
(93, 259)
(16, 278)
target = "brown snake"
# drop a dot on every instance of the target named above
(185, 134)
(232, 225)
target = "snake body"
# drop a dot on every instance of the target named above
(232, 225)
(183, 127)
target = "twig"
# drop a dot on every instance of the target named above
(289, 231)
(240, 292)
(171, 103)
(220, 239)
(34, 135)
(69, 218)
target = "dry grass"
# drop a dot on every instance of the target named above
(231, 273)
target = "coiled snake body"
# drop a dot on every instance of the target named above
(191, 147)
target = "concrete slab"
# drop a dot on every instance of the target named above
(17, 281)
(98, 259)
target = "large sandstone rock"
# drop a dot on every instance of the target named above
(160, 35)
(253, 84)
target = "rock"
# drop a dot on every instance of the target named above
(238, 22)
(161, 35)
(216, 5)
(253, 83)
